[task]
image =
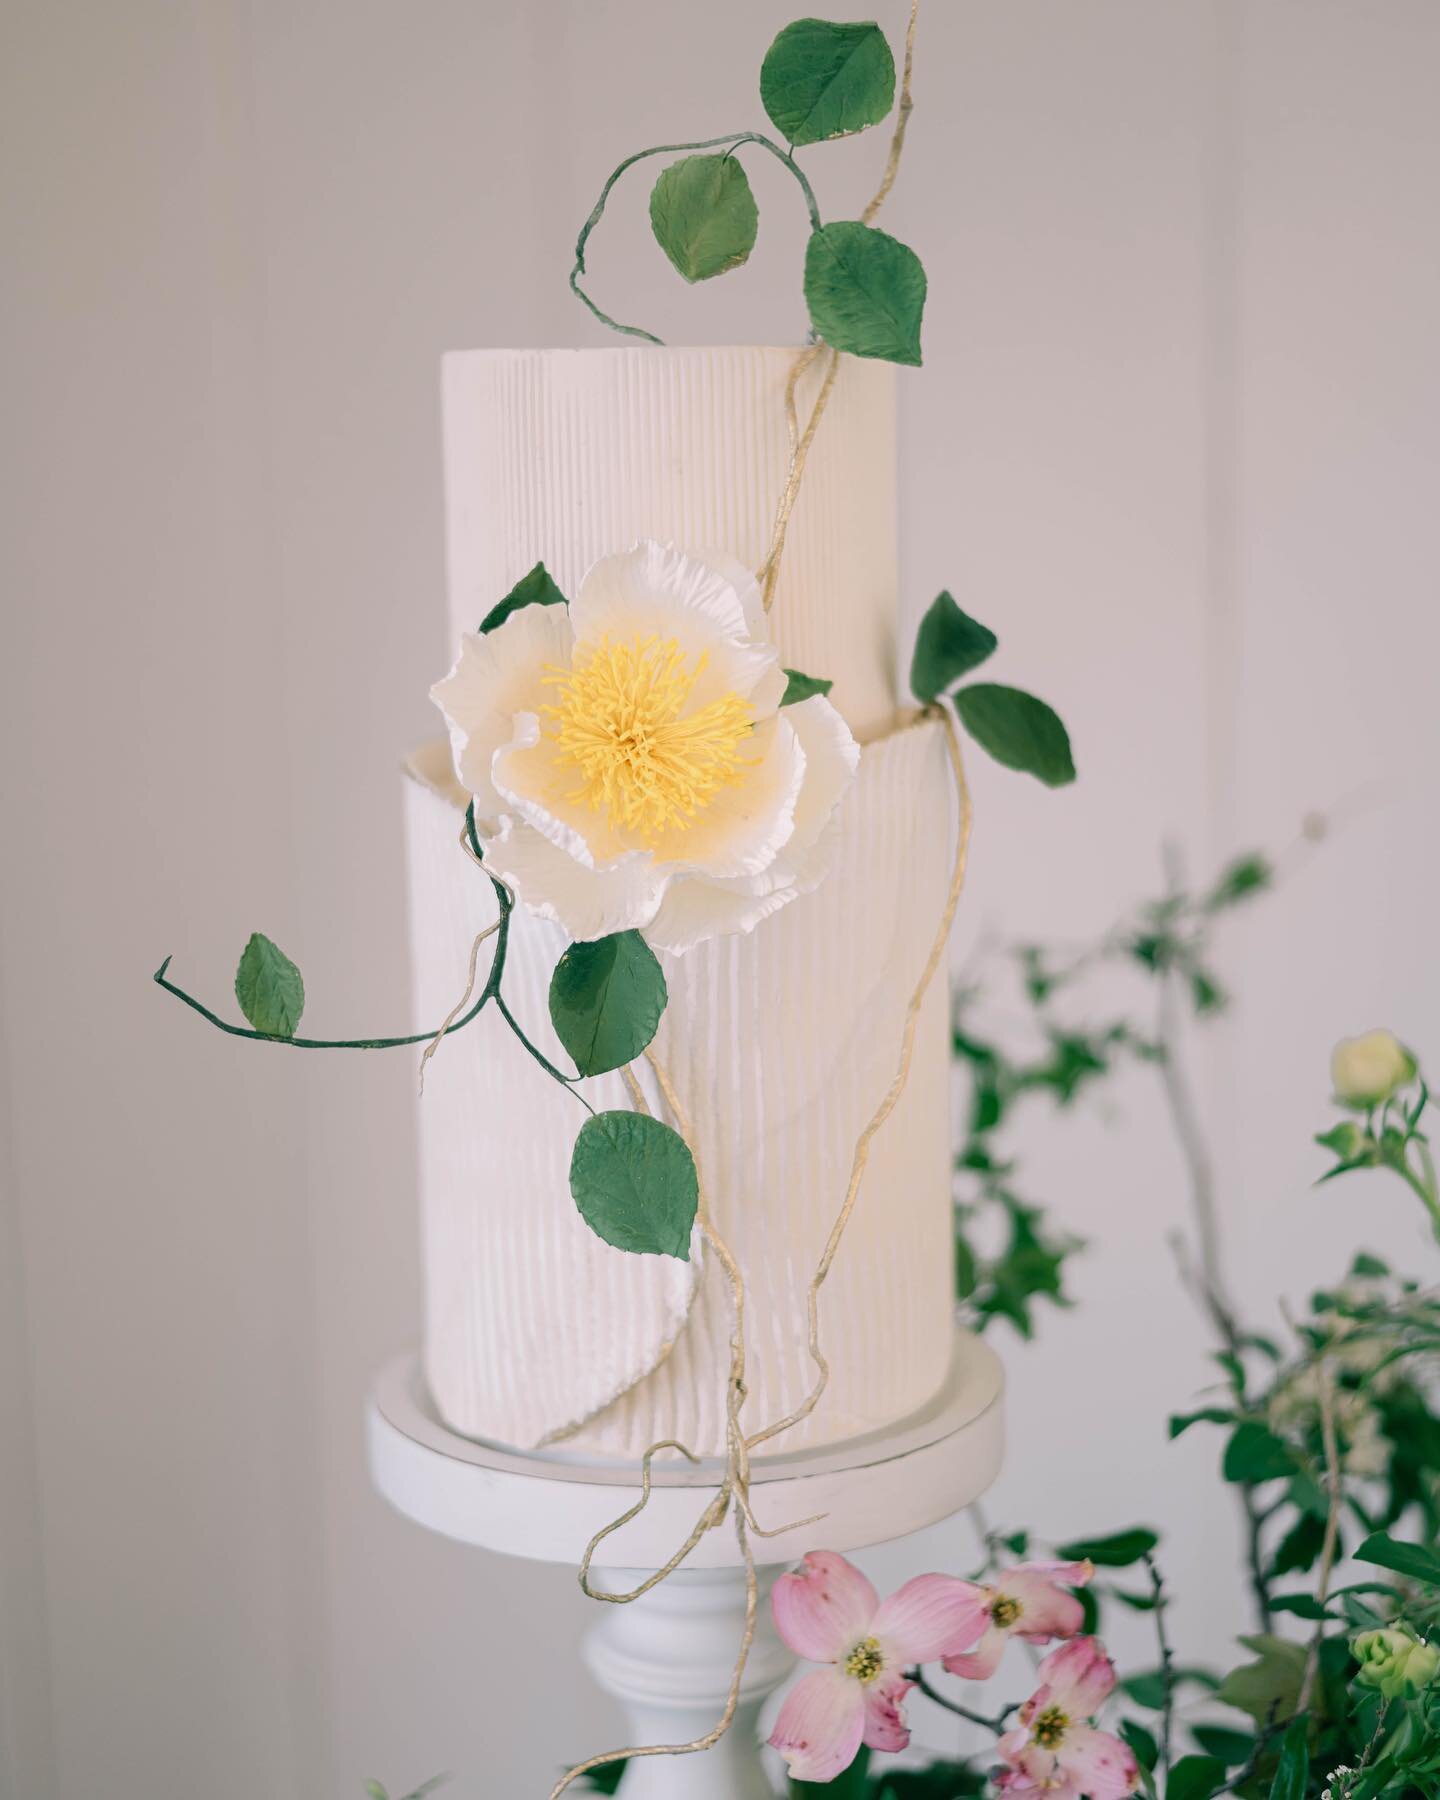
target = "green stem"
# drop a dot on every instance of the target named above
(1425, 1190)
(733, 138)
(491, 991)
(543, 1060)
(997, 1724)
(1167, 1659)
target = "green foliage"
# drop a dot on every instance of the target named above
(1119, 1550)
(1018, 730)
(1142, 1742)
(1293, 1774)
(825, 80)
(1268, 1687)
(269, 988)
(948, 645)
(377, 1791)
(534, 589)
(941, 1781)
(606, 999)
(703, 215)
(1255, 1454)
(606, 1779)
(865, 291)
(634, 1181)
(800, 687)
(1417, 1561)
(1195, 1778)
(1220, 1741)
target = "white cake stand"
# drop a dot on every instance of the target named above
(669, 1657)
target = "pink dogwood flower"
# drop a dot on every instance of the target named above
(1057, 1752)
(1028, 1601)
(829, 1613)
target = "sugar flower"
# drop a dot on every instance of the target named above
(829, 1613)
(1056, 1752)
(630, 762)
(1029, 1601)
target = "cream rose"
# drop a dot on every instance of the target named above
(630, 762)
(1369, 1069)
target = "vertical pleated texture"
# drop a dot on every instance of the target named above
(568, 455)
(781, 1042)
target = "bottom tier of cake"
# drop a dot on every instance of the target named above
(780, 1044)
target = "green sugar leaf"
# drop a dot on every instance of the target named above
(800, 687)
(1017, 730)
(703, 215)
(865, 291)
(269, 988)
(948, 645)
(535, 589)
(1117, 1551)
(634, 1181)
(606, 999)
(824, 80)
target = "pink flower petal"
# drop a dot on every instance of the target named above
(933, 1615)
(824, 1607)
(1101, 1766)
(885, 1727)
(1046, 1611)
(1036, 1771)
(1077, 1677)
(983, 1660)
(820, 1725)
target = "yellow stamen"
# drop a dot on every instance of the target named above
(1050, 1728)
(866, 1660)
(1004, 1611)
(619, 720)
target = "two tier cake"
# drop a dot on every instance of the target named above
(781, 1039)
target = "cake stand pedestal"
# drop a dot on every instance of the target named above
(668, 1657)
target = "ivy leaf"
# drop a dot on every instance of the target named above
(1255, 1454)
(606, 998)
(1018, 730)
(703, 215)
(948, 645)
(1292, 1777)
(1195, 1778)
(824, 80)
(634, 1181)
(866, 291)
(1118, 1551)
(1413, 1560)
(535, 589)
(800, 687)
(269, 988)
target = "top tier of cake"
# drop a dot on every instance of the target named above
(692, 448)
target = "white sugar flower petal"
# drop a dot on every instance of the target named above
(528, 775)
(655, 590)
(495, 677)
(587, 902)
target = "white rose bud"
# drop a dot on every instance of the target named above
(1369, 1069)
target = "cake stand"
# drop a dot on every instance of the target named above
(669, 1657)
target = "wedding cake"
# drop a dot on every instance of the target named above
(781, 1037)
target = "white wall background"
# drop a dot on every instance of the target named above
(1178, 438)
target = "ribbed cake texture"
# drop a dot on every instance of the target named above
(780, 1042)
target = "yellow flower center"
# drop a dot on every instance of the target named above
(1050, 1728)
(619, 721)
(866, 1660)
(1004, 1611)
